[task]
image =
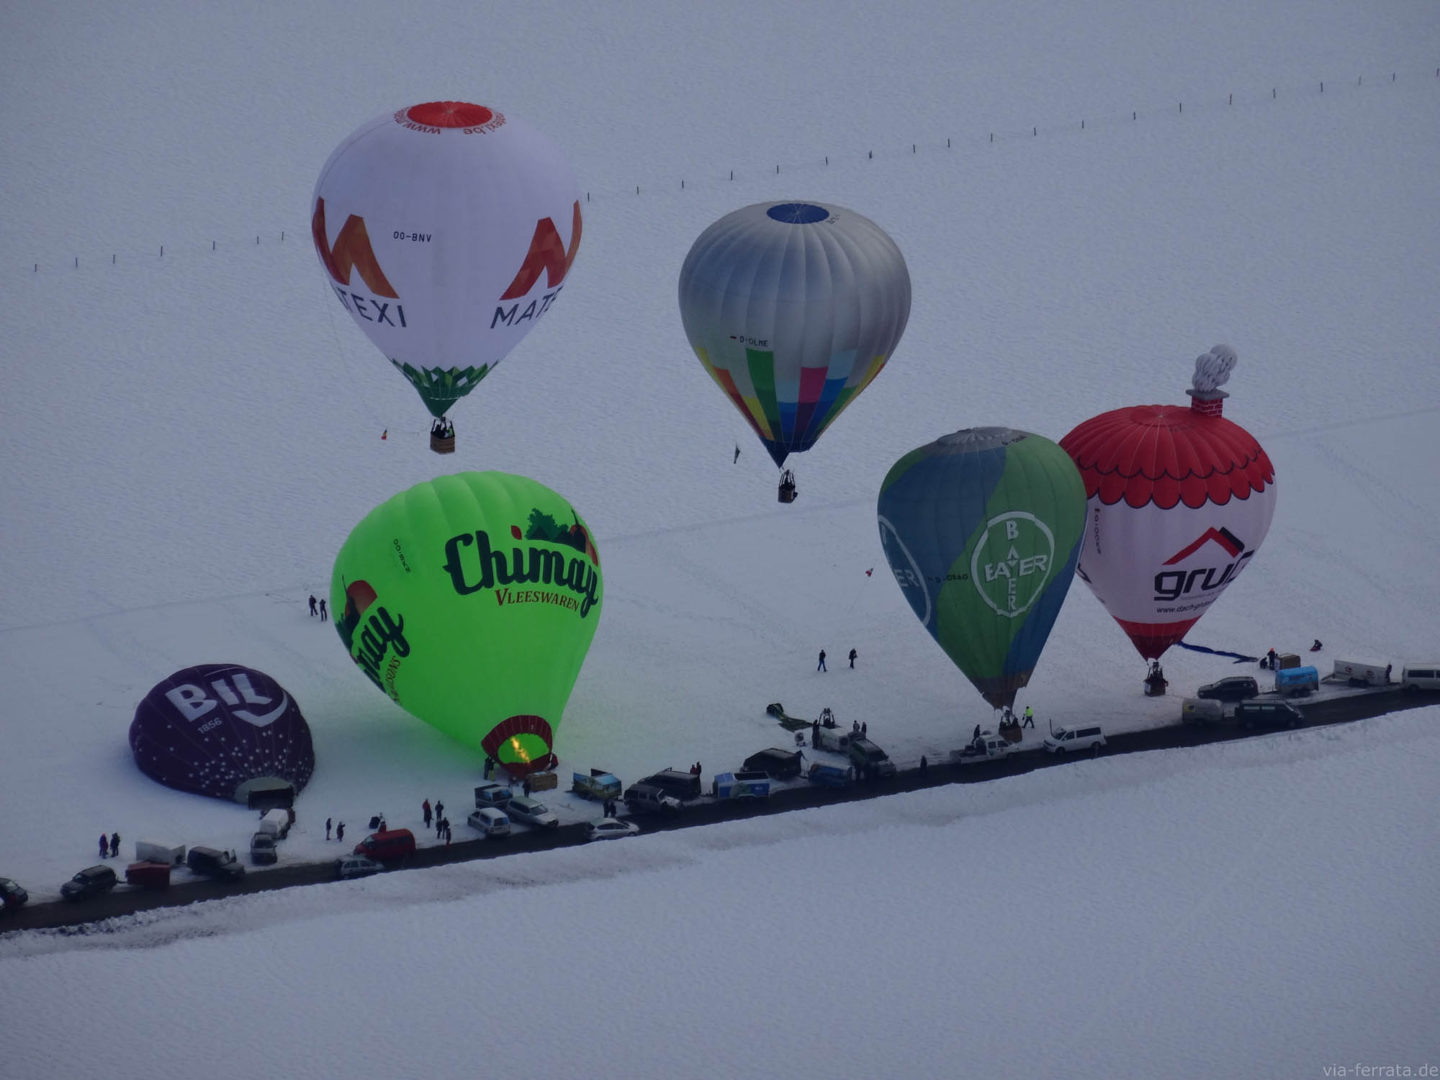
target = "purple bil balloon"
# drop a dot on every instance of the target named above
(221, 730)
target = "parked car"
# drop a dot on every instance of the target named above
(92, 881)
(869, 760)
(532, 812)
(213, 863)
(492, 794)
(676, 784)
(609, 828)
(357, 866)
(1073, 740)
(262, 849)
(1234, 688)
(1274, 714)
(1420, 677)
(780, 764)
(389, 846)
(649, 799)
(11, 894)
(489, 821)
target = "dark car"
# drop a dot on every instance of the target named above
(262, 849)
(780, 764)
(212, 863)
(1272, 714)
(92, 881)
(1235, 688)
(11, 894)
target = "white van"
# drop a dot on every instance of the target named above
(1420, 676)
(1073, 740)
(276, 823)
(493, 823)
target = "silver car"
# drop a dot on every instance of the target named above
(532, 812)
(609, 828)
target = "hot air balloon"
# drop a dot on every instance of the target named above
(222, 730)
(446, 230)
(471, 600)
(981, 529)
(793, 308)
(1180, 499)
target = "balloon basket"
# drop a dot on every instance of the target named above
(787, 492)
(442, 444)
(1155, 686)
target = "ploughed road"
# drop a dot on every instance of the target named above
(126, 900)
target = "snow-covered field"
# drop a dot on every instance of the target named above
(189, 438)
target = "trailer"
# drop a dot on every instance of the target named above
(597, 784)
(741, 785)
(148, 875)
(1296, 680)
(831, 776)
(1361, 672)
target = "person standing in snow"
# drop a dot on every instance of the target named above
(323, 614)
(104, 846)
(821, 666)
(327, 828)
(853, 655)
(114, 844)
(312, 605)
(340, 830)
(1029, 717)
(425, 809)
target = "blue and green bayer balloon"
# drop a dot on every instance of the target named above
(982, 529)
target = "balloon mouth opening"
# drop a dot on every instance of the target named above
(449, 114)
(798, 213)
(265, 792)
(522, 745)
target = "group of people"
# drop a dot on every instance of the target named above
(323, 613)
(442, 429)
(109, 845)
(821, 666)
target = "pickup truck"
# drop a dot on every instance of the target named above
(988, 747)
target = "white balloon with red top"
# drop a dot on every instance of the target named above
(1179, 499)
(447, 231)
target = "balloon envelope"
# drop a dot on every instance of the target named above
(471, 601)
(218, 729)
(1180, 499)
(446, 230)
(793, 308)
(981, 529)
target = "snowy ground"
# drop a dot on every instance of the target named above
(189, 438)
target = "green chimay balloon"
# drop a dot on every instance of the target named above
(471, 601)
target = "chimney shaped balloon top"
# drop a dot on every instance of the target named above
(1212, 370)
